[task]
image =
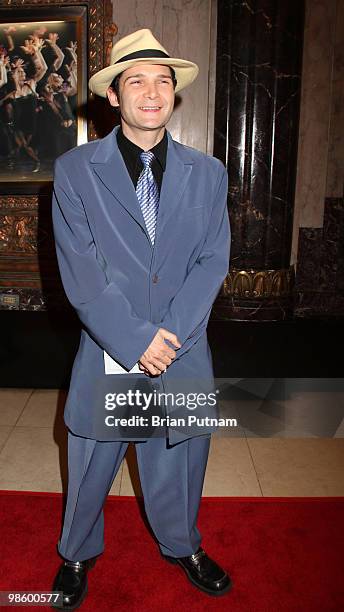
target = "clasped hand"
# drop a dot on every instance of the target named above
(158, 356)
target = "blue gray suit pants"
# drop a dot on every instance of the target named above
(171, 480)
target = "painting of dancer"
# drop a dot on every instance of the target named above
(38, 97)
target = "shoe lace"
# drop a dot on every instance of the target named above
(198, 555)
(76, 565)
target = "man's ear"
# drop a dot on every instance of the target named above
(112, 97)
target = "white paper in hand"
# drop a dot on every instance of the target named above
(113, 367)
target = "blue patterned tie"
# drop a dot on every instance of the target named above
(148, 194)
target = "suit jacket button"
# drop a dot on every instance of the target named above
(155, 278)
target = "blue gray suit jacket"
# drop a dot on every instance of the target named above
(123, 288)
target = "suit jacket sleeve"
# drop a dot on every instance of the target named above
(101, 306)
(190, 309)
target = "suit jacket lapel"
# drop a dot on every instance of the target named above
(177, 173)
(110, 168)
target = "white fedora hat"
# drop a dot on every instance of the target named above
(140, 47)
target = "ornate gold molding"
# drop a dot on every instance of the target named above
(18, 233)
(12, 203)
(110, 31)
(18, 224)
(258, 283)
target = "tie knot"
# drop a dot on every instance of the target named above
(147, 158)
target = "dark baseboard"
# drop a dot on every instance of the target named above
(38, 348)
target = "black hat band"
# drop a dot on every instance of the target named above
(143, 53)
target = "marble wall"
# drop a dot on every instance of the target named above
(257, 107)
(186, 28)
(319, 287)
(335, 165)
(257, 102)
(318, 231)
(320, 172)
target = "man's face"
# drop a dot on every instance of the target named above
(146, 97)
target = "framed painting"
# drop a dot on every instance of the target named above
(48, 51)
(41, 93)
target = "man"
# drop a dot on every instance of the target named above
(142, 238)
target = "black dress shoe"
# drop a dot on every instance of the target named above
(71, 579)
(204, 573)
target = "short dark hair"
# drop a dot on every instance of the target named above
(115, 82)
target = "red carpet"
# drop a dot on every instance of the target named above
(283, 554)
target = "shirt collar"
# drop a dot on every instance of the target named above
(159, 150)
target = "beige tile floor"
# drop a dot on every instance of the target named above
(33, 456)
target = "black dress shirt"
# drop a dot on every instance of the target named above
(131, 155)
